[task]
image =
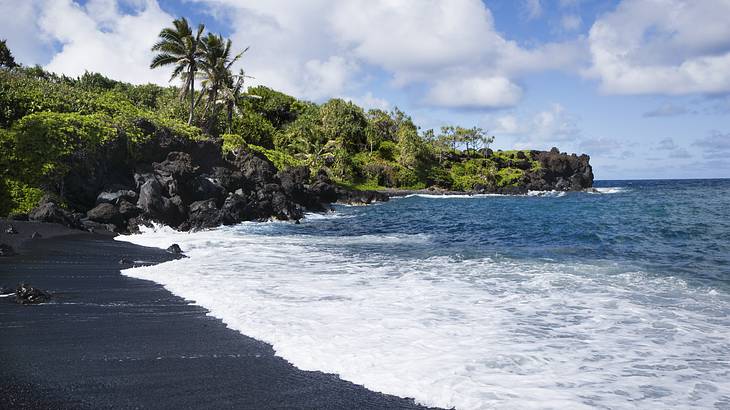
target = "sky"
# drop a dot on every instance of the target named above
(642, 86)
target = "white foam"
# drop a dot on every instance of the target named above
(608, 190)
(449, 196)
(472, 334)
(554, 194)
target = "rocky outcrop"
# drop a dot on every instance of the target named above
(560, 172)
(192, 185)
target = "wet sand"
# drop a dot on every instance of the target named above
(110, 341)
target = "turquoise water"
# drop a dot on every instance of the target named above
(618, 299)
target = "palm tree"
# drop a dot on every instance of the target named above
(178, 46)
(231, 94)
(217, 78)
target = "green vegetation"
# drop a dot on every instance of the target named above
(49, 123)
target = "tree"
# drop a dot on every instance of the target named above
(381, 127)
(215, 70)
(6, 57)
(345, 122)
(178, 46)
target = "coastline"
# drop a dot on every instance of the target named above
(108, 340)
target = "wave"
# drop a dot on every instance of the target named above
(468, 333)
(552, 194)
(608, 190)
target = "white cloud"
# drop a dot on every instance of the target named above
(18, 24)
(475, 92)
(549, 125)
(662, 47)
(369, 101)
(315, 49)
(99, 38)
(436, 43)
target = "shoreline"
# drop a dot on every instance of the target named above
(108, 340)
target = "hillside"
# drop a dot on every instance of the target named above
(67, 140)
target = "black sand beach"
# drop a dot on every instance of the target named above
(109, 341)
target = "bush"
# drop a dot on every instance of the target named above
(17, 197)
(47, 144)
(231, 142)
(387, 150)
(281, 159)
(254, 129)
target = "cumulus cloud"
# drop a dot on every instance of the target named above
(474, 92)
(439, 42)
(549, 125)
(19, 26)
(98, 37)
(662, 47)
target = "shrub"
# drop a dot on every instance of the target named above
(16, 197)
(254, 129)
(387, 150)
(47, 144)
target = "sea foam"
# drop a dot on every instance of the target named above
(467, 333)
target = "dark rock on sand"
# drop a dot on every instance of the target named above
(174, 248)
(27, 295)
(106, 213)
(7, 250)
(11, 230)
(36, 235)
(49, 211)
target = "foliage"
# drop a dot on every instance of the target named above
(6, 57)
(46, 144)
(281, 159)
(278, 108)
(178, 46)
(17, 197)
(345, 123)
(254, 129)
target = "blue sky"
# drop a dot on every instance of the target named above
(640, 85)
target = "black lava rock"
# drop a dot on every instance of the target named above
(175, 248)
(7, 250)
(28, 295)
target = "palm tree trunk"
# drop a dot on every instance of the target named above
(192, 95)
(230, 117)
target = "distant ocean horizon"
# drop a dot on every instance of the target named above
(615, 299)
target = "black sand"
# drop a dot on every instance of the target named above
(109, 341)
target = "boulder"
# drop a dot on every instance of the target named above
(204, 214)
(127, 209)
(106, 213)
(116, 196)
(50, 212)
(6, 250)
(27, 295)
(203, 187)
(174, 248)
(36, 235)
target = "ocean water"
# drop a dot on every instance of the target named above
(618, 299)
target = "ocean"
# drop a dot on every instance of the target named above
(617, 299)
